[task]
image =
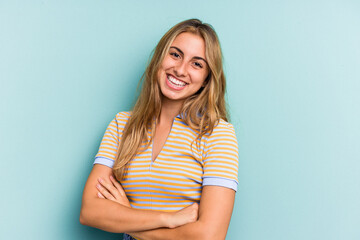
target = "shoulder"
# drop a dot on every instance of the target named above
(122, 117)
(223, 127)
(222, 134)
(119, 122)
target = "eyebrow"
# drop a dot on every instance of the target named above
(196, 57)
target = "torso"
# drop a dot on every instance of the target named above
(168, 173)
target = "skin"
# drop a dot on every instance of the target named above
(185, 62)
(118, 216)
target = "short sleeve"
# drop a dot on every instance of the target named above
(110, 141)
(220, 157)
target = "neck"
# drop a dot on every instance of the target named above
(169, 110)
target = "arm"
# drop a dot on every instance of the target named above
(114, 217)
(215, 211)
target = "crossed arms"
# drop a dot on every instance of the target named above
(209, 220)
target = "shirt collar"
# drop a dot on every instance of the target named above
(180, 116)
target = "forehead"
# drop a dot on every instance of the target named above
(190, 44)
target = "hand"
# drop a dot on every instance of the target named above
(186, 215)
(112, 191)
(176, 219)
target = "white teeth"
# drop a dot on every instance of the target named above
(175, 81)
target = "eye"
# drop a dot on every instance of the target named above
(174, 54)
(198, 65)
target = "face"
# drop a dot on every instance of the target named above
(184, 68)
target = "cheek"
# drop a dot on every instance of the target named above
(162, 69)
(166, 63)
(202, 77)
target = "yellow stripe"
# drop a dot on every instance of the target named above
(115, 142)
(176, 169)
(138, 166)
(136, 171)
(162, 177)
(198, 168)
(232, 177)
(232, 159)
(164, 201)
(183, 130)
(108, 148)
(186, 139)
(145, 186)
(225, 154)
(158, 196)
(177, 151)
(177, 143)
(225, 162)
(232, 140)
(222, 128)
(218, 170)
(124, 114)
(141, 161)
(190, 176)
(165, 192)
(178, 157)
(154, 181)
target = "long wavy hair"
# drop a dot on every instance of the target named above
(201, 111)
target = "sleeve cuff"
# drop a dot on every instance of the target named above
(223, 182)
(104, 161)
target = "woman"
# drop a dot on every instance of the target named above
(174, 154)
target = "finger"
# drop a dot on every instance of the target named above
(117, 185)
(104, 192)
(100, 195)
(110, 188)
(106, 184)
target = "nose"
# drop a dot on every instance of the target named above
(180, 69)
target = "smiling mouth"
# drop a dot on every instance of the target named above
(175, 81)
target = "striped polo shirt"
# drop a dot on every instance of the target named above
(175, 178)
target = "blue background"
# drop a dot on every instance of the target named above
(293, 71)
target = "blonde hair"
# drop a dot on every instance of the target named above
(201, 111)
